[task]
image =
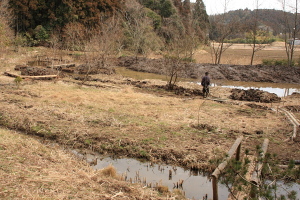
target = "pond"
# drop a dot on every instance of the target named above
(195, 184)
(280, 89)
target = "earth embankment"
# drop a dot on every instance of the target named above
(255, 73)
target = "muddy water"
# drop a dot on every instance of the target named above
(278, 88)
(195, 185)
(281, 89)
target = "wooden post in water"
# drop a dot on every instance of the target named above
(236, 148)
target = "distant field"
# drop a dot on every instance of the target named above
(241, 54)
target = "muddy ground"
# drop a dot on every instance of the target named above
(255, 73)
(117, 116)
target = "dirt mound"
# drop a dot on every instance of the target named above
(293, 108)
(253, 105)
(68, 68)
(34, 71)
(294, 95)
(254, 73)
(254, 95)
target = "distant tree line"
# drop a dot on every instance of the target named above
(269, 21)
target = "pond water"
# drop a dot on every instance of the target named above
(280, 89)
(195, 184)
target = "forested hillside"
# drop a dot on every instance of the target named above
(274, 22)
(138, 25)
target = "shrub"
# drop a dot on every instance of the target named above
(18, 81)
(267, 62)
(272, 62)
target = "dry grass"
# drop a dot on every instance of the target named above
(32, 170)
(109, 171)
(240, 54)
(118, 119)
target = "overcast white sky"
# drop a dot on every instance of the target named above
(217, 6)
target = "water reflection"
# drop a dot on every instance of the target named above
(194, 183)
(280, 89)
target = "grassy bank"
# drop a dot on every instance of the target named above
(32, 170)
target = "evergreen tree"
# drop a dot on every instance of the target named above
(200, 16)
(166, 8)
(186, 11)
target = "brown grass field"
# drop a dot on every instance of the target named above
(240, 54)
(114, 118)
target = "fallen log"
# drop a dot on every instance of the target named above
(236, 148)
(293, 120)
(11, 74)
(45, 77)
(257, 172)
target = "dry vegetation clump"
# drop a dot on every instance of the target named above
(109, 171)
(32, 170)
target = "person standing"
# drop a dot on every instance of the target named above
(205, 82)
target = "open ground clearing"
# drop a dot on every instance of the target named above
(114, 117)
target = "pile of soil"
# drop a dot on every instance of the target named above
(255, 106)
(34, 71)
(68, 68)
(253, 73)
(294, 95)
(293, 108)
(254, 95)
(177, 90)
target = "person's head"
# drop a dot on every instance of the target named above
(206, 73)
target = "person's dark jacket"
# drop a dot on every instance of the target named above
(205, 81)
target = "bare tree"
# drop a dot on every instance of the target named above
(220, 30)
(178, 57)
(74, 36)
(255, 33)
(104, 42)
(291, 30)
